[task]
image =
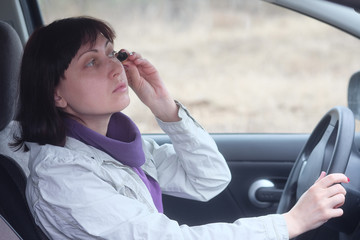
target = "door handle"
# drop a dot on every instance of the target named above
(268, 194)
(263, 193)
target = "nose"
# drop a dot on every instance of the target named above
(115, 68)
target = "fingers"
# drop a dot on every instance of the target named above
(135, 60)
(337, 201)
(132, 56)
(331, 199)
(333, 211)
(322, 175)
(336, 189)
(331, 179)
(334, 192)
(321, 202)
(132, 72)
(337, 212)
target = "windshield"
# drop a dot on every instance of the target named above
(238, 66)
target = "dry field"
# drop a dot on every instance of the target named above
(239, 66)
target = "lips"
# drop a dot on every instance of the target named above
(122, 87)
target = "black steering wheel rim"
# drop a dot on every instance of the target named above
(331, 140)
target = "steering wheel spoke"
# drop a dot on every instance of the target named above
(318, 160)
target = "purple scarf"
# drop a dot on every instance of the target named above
(123, 143)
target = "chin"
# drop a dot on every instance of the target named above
(124, 104)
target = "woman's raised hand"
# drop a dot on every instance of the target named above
(145, 80)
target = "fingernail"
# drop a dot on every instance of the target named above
(348, 179)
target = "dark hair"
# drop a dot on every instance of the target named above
(47, 55)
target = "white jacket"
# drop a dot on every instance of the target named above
(80, 192)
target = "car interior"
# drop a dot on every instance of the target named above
(13, 206)
(264, 194)
(7, 231)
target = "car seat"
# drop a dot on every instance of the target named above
(13, 204)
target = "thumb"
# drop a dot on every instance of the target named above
(322, 175)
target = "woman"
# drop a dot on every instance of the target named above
(92, 175)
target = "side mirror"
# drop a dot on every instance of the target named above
(354, 95)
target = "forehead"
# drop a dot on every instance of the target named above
(100, 43)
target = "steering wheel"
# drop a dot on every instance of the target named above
(327, 149)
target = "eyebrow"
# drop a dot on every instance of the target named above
(94, 50)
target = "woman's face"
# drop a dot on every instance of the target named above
(95, 83)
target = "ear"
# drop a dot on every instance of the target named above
(59, 100)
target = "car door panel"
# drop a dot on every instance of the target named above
(251, 157)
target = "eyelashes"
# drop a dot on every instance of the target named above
(113, 54)
(92, 62)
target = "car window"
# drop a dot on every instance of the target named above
(238, 66)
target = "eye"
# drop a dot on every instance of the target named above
(112, 54)
(91, 63)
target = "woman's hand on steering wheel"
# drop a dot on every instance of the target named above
(321, 202)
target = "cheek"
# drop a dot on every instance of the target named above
(75, 91)
(91, 92)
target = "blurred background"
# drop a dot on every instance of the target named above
(237, 65)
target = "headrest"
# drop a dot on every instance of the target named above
(10, 61)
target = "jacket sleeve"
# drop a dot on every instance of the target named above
(191, 167)
(70, 201)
